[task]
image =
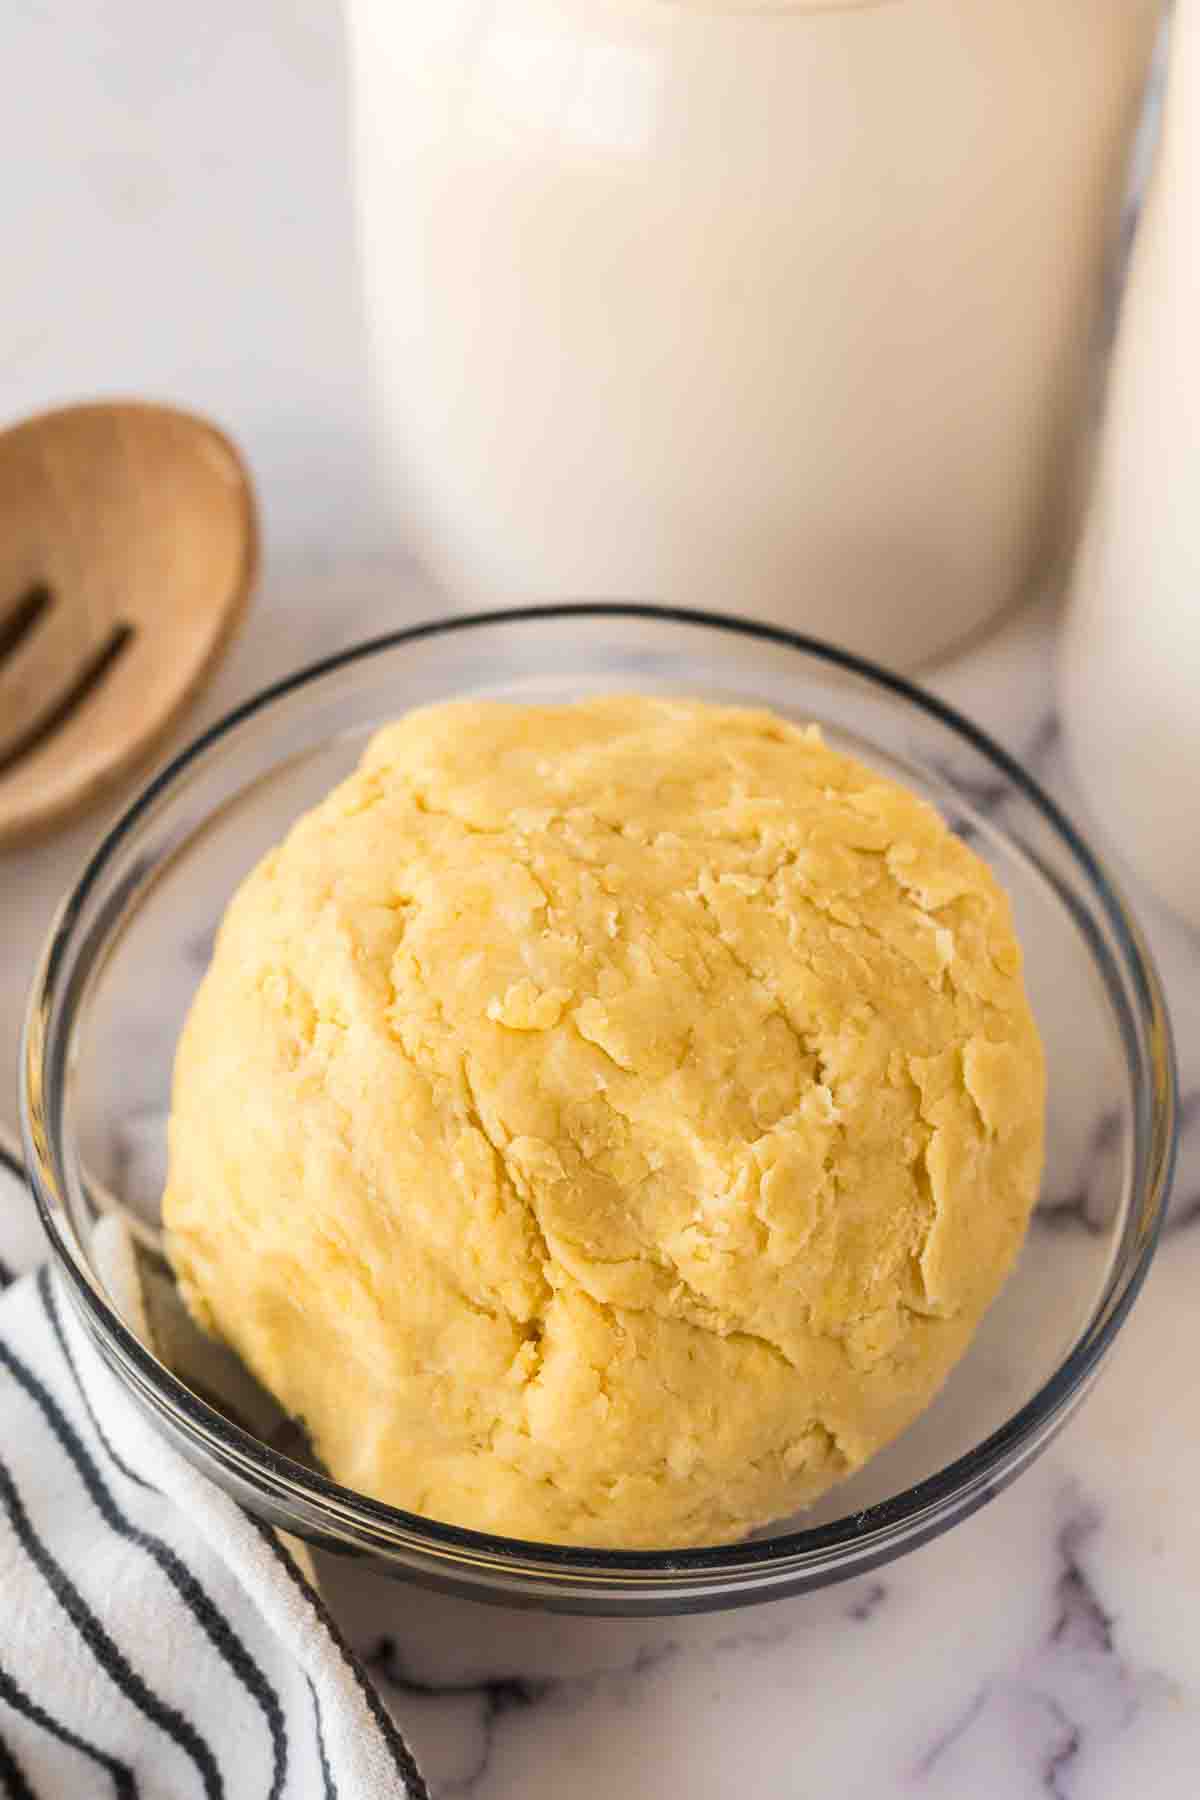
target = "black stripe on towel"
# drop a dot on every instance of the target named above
(12, 1776)
(123, 1779)
(211, 1620)
(331, 1792)
(9, 1162)
(399, 1751)
(45, 1287)
(111, 1659)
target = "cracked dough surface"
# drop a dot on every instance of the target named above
(606, 1123)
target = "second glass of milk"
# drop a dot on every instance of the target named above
(785, 309)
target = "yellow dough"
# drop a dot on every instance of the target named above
(606, 1123)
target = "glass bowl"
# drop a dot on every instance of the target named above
(132, 940)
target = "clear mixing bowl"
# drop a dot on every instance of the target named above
(131, 941)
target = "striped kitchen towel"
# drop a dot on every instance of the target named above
(155, 1640)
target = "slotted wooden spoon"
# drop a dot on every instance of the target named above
(128, 548)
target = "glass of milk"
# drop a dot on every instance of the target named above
(1130, 654)
(786, 309)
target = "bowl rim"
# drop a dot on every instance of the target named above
(863, 1535)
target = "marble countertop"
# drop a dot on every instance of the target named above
(1047, 1646)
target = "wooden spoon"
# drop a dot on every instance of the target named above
(128, 548)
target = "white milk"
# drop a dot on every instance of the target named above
(1131, 652)
(780, 309)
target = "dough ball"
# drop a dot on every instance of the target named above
(606, 1123)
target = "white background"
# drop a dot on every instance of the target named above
(175, 219)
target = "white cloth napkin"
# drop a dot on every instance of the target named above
(156, 1642)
